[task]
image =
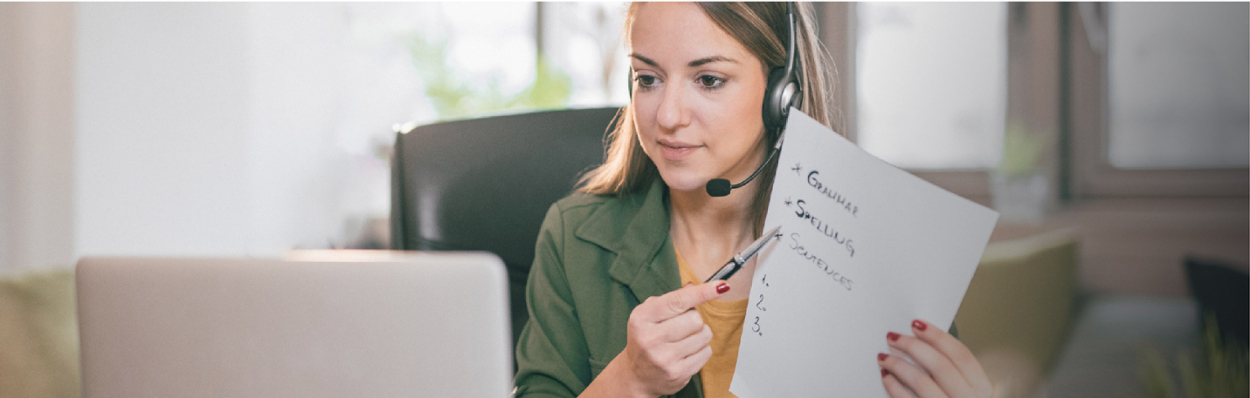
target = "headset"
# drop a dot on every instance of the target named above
(784, 90)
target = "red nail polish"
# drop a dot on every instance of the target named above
(882, 356)
(724, 287)
(918, 325)
(884, 372)
(892, 336)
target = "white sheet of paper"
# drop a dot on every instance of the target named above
(865, 249)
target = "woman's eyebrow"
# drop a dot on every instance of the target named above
(716, 58)
(644, 60)
(693, 64)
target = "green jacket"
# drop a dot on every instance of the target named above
(596, 258)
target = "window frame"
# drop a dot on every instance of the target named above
(1093, 174)
(1056, 83)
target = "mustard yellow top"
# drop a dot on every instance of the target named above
(725, 319)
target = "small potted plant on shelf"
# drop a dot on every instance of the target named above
(1019, 186)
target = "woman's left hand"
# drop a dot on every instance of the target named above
(947, 368)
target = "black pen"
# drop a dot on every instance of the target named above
(741, 258)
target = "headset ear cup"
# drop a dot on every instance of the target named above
(773, 97)
(629, 78)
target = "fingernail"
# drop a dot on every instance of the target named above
(724, 287)
(882, 356)
(918, 325)
(884, 372)
(892, 336)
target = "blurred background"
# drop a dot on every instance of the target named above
(1113, 137)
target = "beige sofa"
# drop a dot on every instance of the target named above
(1020, 308)
(38, 335)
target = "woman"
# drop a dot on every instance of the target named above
(609, 315)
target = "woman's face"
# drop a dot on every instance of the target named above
(697, 97)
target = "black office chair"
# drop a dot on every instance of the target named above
(485, 184)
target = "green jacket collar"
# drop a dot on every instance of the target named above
(636, 228)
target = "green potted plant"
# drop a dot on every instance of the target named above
(1219, 371)
(455, 96)
(1018, 186)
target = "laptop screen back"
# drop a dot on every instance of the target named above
(425, 324)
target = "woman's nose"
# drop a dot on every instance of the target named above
(673, 113)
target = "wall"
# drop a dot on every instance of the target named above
(200, 129)
(161, 145)
(233, 129)
(36, 135)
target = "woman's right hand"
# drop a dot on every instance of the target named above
(667, 341)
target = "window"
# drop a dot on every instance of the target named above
(932, 83)
(1158, 100)
(1178, 85)
(330, 80)
(584, 40)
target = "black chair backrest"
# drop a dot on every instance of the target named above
(485, 184)
(1222, 290)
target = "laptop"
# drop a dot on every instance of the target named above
(318, 324)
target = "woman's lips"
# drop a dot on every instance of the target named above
(677, 150)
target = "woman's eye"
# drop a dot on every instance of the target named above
(711, 82)
(645, 81)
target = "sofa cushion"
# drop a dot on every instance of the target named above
(1018, 310)
(38, 335)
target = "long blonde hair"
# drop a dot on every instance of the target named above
(763, 29)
